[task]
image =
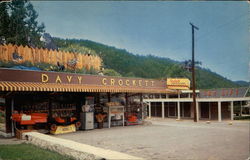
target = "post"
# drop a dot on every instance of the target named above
(197, 112)
(109, 118)
(232, 110)
(209, 105)
(12, 126)
(182, 106)
(168, 109)
(141, 107)
(149, 109)
(109, 97)
(178, 110)
(219, 111)
(240, 108)
(127, 109)
(123, 118)
(193, 73)
(50, 109)
(162, 110)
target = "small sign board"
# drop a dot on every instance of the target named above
(178, 83)
(224, 93)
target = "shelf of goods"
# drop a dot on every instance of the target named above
(115, 114)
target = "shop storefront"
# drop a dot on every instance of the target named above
(63, 102)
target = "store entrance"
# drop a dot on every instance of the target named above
(156, 110)
(204, 110)
(47, 111)
(64, 112)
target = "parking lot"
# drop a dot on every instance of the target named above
(173, 140)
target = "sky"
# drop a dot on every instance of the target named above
(160, 28)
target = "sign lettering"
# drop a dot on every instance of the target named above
(45, 78)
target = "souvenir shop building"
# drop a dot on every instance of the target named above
(56, 101)
(215, 104)
(64, 102)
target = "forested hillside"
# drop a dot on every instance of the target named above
(120, 62)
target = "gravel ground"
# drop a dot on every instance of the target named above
(168, 139)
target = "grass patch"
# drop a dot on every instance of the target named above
(28, 152)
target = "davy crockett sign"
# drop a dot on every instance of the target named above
(69, 78)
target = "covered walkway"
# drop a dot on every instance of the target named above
(208, 108)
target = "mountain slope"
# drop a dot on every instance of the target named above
(242, 83)
(131, 65)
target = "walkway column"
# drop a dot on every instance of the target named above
(178, 110)
(162, 110)
(209, 103)
(240, 108)
(109, 97)
(149, 109)
(232, 110)
(219, 111)
(197, 111)
(12, 123)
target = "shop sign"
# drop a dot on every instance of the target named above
(223, 93)
(69, 78)
(178, 83)
(104, 81)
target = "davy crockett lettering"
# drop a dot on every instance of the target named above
(70, 78)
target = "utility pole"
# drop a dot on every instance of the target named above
(193, 73)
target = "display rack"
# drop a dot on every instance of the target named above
(115, 114)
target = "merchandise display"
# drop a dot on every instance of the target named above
(115, 114)
(59, 113)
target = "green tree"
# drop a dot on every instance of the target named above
(34, 30)
(4, 22)
(17, 29)
(77, 48)
(176, 71)
(111, 72)
(130, 74)
(19, 24)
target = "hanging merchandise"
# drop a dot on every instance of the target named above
(134, 111)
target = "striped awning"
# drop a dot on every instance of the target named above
(57, 87)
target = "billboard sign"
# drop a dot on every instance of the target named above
(178, 83)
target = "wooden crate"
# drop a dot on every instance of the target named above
(19, 133)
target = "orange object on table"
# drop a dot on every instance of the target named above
(30, 119)
(62, 120)
(132, 118)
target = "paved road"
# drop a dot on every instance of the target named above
(168, 139)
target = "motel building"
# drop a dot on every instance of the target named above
(214, 104)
